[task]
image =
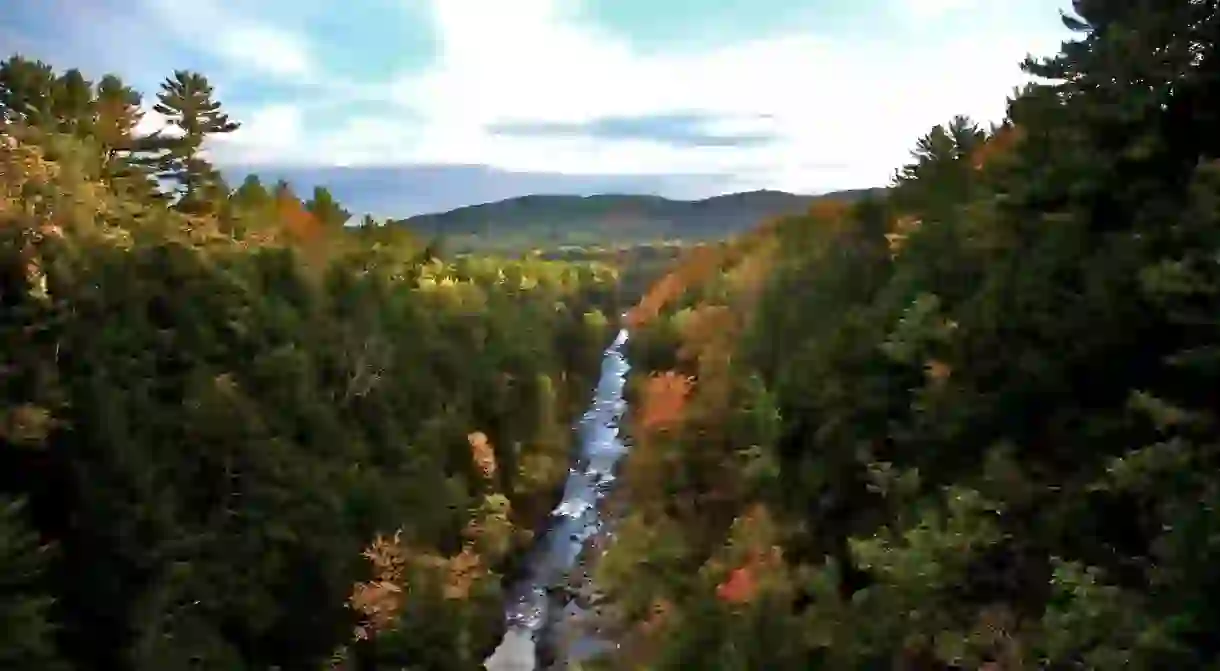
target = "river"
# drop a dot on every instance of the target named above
(533, 610)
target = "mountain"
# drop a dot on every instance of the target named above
(609, 219)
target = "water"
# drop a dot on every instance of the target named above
(573, 523)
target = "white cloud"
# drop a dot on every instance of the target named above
(846, 111)
(930, 9)
(244, 43)
(270, 131)
(151, 122)
(269, 50)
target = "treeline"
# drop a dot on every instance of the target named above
(235, 434)
(972, 424)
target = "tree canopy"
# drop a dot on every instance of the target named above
(971, 424)
(238, 434)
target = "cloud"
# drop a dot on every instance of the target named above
(931, 9)
(271, 51)
(675, 129)
(806, 99)
(532, 86)
(234, 38)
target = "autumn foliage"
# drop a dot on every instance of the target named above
(483, 453)
(380, 600)
(663, 401)
(1000, 143)
(698, 265)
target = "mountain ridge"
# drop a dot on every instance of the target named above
(612, 218)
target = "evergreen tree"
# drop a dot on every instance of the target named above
(252, 195)
(186, 100)
(326, 209)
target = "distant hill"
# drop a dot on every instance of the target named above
(552, 220)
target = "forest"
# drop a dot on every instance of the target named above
(966, 423)
(969, 425)
(237, 432)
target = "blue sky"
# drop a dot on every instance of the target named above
(448, 102)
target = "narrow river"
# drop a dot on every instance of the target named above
(533, 610)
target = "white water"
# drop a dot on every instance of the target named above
(574, 521)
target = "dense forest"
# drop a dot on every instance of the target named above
(969, 422)
(972, 425)
(237, 432)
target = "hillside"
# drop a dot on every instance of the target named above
(970, 426)
(234, 430)
(609, 219)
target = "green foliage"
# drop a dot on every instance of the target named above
(26, 634)
(326, 209)
(565, 222)
(983, 410)
(186, 102)
(212, 411)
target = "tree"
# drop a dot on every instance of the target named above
(25, 91)
(124, 154)
(283, 191)
(326, 209)
(117, 114)
(186, 100)
(251, 195)
(942, 170)
(72, 104)
(1141, 85)
(26, 640)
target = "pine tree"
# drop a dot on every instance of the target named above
(1142, 86)
(326, 209)
(251, 195)
(186, 100)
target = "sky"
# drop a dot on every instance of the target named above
(404, 106)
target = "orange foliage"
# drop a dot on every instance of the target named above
(829, 209)
(483, 453)
(1001, 143)
(380, 600)
(937, 371)
(661, 293)
(664, 400)
(740, 587)
(298, 223)
(698, 265)
(462, 570)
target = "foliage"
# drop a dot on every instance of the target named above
(977, 415)
(215, 401)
